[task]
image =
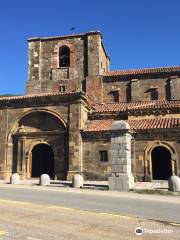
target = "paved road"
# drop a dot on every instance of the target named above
(161, 208)
(32, 221)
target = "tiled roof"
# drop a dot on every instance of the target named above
(110, 107)
(132, 106)
(13, 98)
(163, 104)
(142, 71)
(98, 125)
(142, 124)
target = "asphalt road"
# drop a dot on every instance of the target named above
(161, 208)
(32, 221)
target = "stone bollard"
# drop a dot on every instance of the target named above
(15, 179)
(44, 180)
(77, 181)
(174, 184)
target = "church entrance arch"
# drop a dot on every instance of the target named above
(40, 145)
(42, 160)
(161, 163)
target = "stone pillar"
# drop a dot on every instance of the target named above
(76, 123)
(21, 164)
(122, 178)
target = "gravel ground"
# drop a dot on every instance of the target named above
(26, 221)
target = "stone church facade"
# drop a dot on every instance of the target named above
(62, 125)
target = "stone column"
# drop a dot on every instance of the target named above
(122, 178)
(21, 165)
(21, 153)
(75, 139)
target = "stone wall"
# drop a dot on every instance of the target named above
(141, 89)
(121, 86)
(95, 142)
(87, 59)
(94, 88)
(45, 74)
(93, 168)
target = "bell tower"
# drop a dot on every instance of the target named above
(65, 63)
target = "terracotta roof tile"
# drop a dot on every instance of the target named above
(141, 71)
(4, 99)
(110, 107)
(99, 125)
(142, 124)
(122, 107)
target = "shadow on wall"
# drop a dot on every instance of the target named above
(93, 176)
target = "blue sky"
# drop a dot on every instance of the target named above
(136, 33)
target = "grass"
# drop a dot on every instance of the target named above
(156, 191)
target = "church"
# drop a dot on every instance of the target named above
(62, 125)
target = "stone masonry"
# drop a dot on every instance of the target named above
(121, 179)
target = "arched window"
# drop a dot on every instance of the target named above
(64, 57)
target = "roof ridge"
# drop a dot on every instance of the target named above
(65, 36)
(147, 101)
(134, 106)
(136, 71)
(39, 95)
(145, 68)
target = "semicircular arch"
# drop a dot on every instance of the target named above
(16, 124)
(155, 144)
(148, 155)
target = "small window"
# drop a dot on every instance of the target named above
(115, 95)
(154, 94)
(62, 88)
(103, 156)
(64, 57)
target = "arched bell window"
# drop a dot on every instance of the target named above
(64, 57)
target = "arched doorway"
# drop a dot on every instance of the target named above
(42, 160)
(161, 163)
